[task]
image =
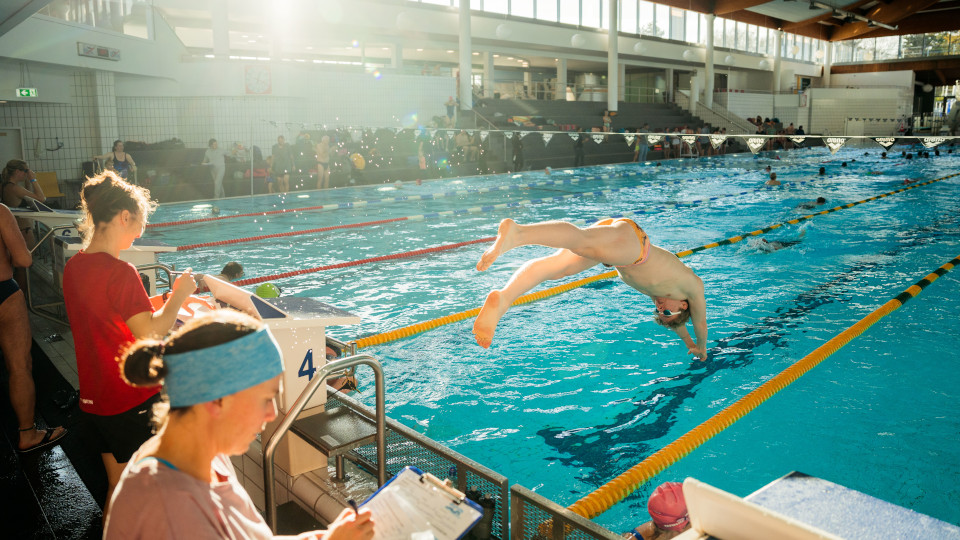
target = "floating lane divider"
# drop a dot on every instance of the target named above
(620, 487)
(354, 204)
(407, 331)
(487, 208)
(429, 196)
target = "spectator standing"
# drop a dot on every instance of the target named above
(119, 161)
(282, 164)
(517, 144)
(323, 162)
(214, 157)
(640, 155)
(451, 106)
(16, 340)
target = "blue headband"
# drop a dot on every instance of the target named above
(211, 373)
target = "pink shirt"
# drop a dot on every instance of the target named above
(155, 501)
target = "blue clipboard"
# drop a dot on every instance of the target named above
(415, 504)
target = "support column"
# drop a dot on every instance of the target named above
(561, 92)
(528, 85)
(489, 87)
(220, 27)
(827, 64)
(710, 77)
(613, 57)
(670, 97)
(622, 78)
(466, 62)
(396, 58)
(777, 61)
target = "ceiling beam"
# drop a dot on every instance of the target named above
(725, 7)
(886, 13)
(935, 21)
(947, 65)
(794, 26)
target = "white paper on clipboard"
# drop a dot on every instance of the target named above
(413, 503)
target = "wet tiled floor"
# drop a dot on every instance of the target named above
(56, 492)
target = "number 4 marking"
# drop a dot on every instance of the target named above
(306, 367)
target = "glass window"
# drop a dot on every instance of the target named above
(522, 8)
(647, 27)
(496, 6)
(938, 44)
(763, 43)
(570, 11)
(662, 21)
(718, 32)
(693, 27)
(741, 36)
(547, 10)
(888, 47)
(702, 34)
(590, 13)
(628, 16)
(439, 2)
(729, 33)
(605, 15)
(676, 24)
(751, 38)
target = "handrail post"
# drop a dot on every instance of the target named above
(316, 382)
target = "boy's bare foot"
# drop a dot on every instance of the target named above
(506, 240)
(487, 319)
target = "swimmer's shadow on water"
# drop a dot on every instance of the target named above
(604, 451)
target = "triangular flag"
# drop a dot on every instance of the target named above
(597, 138)
(798, 139)
(689, 139)
(574, 135)
(508, 134)
(470, 132)
(834, 143)
(654, 139)
(432, 133)
(885, 142)
(450, 133)
(397, 130)
(756, 143)
(930, 142)
(546, 138)
(356, 134)
(629, 139)
(717, 140)
(483, 135)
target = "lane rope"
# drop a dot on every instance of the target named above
(407, 331)
(623, 485)
(493, 208)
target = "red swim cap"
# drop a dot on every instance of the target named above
(668, 508)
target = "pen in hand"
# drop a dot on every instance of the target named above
(353, 504)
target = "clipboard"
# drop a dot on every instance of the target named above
(418, 505)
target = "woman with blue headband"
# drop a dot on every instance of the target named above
(220, 375)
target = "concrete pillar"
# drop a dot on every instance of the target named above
(220, 28)
(561, 92)
(528, 85)
(488, 85)
(777, 61)
(622, 77)
(695, 78)
(396, 57)
(708, 86)
(670, 90)
(613, 57)
(466, 61)
(827, 63)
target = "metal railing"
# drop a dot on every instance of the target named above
(552, 91)
(533, 517)
(317, 382)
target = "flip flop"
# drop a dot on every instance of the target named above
(48, 440)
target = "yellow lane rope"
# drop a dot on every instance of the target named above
(413, 329)
(615, 490)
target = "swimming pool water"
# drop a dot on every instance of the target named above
(579, 387)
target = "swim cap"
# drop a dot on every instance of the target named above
(667, 507)
(268, 290)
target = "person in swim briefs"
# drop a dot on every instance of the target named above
(676, 291)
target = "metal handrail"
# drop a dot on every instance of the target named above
(35, 309)
(318, 382)
(158, 266)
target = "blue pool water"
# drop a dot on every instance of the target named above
(579, 387)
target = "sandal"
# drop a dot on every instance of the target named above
(48, 439)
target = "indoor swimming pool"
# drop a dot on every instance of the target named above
(579, 387)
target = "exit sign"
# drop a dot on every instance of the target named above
(26, 92)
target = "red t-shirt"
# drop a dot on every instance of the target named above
(101, 293)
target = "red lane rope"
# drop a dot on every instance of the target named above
(289, 233)
(403, 255)
(251, 214)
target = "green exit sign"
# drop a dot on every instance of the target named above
(26, 92)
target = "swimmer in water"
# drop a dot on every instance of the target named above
(809, 205)
(676, 291)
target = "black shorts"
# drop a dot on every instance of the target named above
(122, 434)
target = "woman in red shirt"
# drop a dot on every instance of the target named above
(108, 310)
